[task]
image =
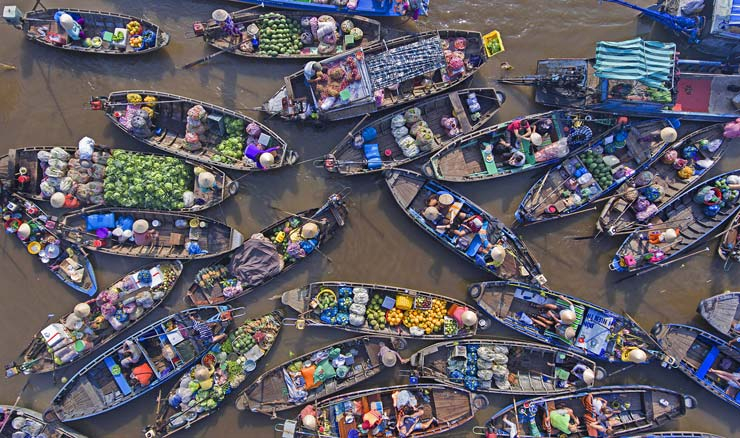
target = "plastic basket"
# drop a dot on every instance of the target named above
(493, 36)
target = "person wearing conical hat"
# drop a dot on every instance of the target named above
(389, 356)
(260, 156)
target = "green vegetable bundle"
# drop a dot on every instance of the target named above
(231, 149)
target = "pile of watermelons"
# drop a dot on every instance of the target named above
(279, 35)
(598, 168)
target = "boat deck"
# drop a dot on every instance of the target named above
(706, 93)
(722, 311)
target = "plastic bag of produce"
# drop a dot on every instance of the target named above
(360, 295)
(98, 171)
(408, 146)
(486, 353)
(500, 359)
(59, 154)
(483, 364)
(417, 126)
(356, 320)
(67, 185)
(100, 157)
(58, 164)
(96, 187)
(559, 149)
(424, 137)
(501, 349)
(485, 374)
(397, 121)
(357, 308)
(46, 189)
(400, 132)
(79, 177)
(43, 156)
(54, 172)
(86, 147)
(83, 192)
(412, 115)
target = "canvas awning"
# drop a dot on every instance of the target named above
(649, 62)
(405, 62)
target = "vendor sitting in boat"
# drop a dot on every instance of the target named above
(560, 420)
(410, 420)
(204, 331)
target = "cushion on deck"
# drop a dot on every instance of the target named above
(476, 243)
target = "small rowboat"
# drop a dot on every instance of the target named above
(412, 192)
(679, 224)
(168, 236)
(66, 261)
(370, 308)
(728, 250)
(599, 333)
(221, 142)
(14, 419)
(385, 75)
(698, 353)
(164, 349)
(451, 407)
(260, 259)
(705, 148)
(25, 162)
(472, 157)
(101, 32)
(679, 435)
(240, 41)
(635, 408)
(584, 177)
(360, 7)
(383, 152)
(270, 393)
(233, 360)
(57, 345)
(722, 312)
(507, 367)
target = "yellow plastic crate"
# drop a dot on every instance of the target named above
(493, 36)
(404, 302)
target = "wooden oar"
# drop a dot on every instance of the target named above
(207, 58)
(12, 409)
(6, 67)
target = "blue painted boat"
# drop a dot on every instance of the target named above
(164, 349)
(12, 416)
(697, 352)
(374, 8)
(633, 409)
(599, 333)
(412, 191)
(620, 80)
(678, 434)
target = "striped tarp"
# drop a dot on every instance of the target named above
(405, 62)
(650, 62)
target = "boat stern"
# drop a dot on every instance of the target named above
(237, 239)
(297, 299)
(274, 105)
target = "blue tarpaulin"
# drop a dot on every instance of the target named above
(649, 62)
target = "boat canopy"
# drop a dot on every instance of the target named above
(405, 62)
(649, 62)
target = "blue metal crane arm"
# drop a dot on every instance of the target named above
(688, 26)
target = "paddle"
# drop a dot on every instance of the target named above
(207, 58)
(12, 409)
(316, 248)
(6, 67)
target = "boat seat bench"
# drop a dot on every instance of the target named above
(708, 362)
(120, 379)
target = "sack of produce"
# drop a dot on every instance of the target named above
(358, 309)
(412, 115)
(400, 132)
(66, 185)
(485, 353)
(501, 349)
(417, 126)
(360, 295)
(397, 121)
(58, 164)
(43, 156)
(54, 172)
(485, 374)
(46, 189)
(356, 320)
(59, 154)
(85, 148)
(500, 359)
(79, 175)
(424, 137)
(408, 146)
(483, 364)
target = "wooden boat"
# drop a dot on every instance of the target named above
(562, 191)
(66, 261)
(619, 215)
(452, 407)
(697, 353)
(97, 33)
(628, 86)
(722, 312)
(240, 42)
(170, 120)
(30, 420)
(469, 158)
(530, 368)
(728, 249)
(258, 336)
(679, 435)
(385, 75)
(412, 191)
(383, 151)
(178, 236)
(635, 408)
(25, 162)
(105, 383)
(420, 315)
(263, 258)
(270, 393)
(361, 7)
(58, 345)
(599, 333)
(681, 223)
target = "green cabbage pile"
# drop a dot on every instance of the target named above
(232, 148)
(146, 181)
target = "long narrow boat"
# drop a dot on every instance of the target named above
(451, 407)
(505, 366)
(237, 36)
(284, 387)
(268, 253)
(682, 222)
(694, 154)
(157, 234)
(599, 333)
(355, 7)
(584, 177)
(700, 353)
(728, 248)
(381, 310)
(14, 419)
(412, 192)
(96, 322)
(38, 234)
(398, 138)
(678, 435)
(196, 130)
(381, 76)
(139, 364)
(223, 370)
(107, 33)
(722, 312)
(472, 157)
(635, 409)
(114, 177)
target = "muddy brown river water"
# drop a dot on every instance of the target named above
(43, 102)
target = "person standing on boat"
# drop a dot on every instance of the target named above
(204, 332)
(388, 356)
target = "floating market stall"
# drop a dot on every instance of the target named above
(377, 309)
(16, 421)
(96, 322)
(90, 175)
(400, 8)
